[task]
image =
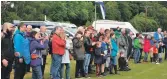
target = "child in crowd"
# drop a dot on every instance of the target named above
(160, 51)
(155, 52)
(151, 49)
(66, 61)
(36, 45)
(99, 54)
(123, 65)
(104, 49)
(146, 47)
(114, 52)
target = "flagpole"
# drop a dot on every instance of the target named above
(95, 15)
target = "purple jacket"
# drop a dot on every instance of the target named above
(37, 47)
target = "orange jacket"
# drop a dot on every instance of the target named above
(58, 45)
(155, 49)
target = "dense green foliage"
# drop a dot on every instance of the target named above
(83, 12)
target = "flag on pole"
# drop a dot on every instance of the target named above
(102, 8)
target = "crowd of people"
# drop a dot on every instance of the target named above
(107, 50)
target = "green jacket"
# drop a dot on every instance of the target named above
(117, 34)
(137, 43)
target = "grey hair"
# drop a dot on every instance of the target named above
(55, 28)
(123, 29)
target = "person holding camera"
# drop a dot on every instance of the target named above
(36, 45)
(79, 54)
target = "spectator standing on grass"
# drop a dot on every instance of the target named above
(22, 52)
(99, 54)
(146, 47)
(66, 61)
(87, 44)
(114, 52)
(151, 49)
(58, 50)
(7, 50)
(79, 54)
(155, 52)
(158, 36)
(106, 55)
(27, 33)
(130, 41)
(36, 45)
(165, 42)
(137, 46)
(45, 51)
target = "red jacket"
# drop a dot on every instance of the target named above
(58, 45)
(146, 46)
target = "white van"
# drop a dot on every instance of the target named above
(107, 24)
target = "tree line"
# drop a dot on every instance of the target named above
(83, 12)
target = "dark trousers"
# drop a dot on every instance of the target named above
(5, 71)
(141, 51)
(28, 68)
(44, 63)
(155, 57)
(20, 69)
(166, 53)
(79, 68)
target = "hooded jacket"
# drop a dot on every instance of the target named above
(78, 48)
(22, 46)
(35, 48)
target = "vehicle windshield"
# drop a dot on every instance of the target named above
(73, 30)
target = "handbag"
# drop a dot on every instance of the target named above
(34, 55)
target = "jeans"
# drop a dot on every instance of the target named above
(56, 66)
(67, 70)
(145, 56)
(113, 60)
(137, 55)
(36, 72)
(86, 62)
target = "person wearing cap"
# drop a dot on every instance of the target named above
(7, 50)
(22, 51)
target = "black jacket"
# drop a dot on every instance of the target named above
(87, 44)
(7, 48)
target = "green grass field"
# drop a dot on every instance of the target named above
(139, 71)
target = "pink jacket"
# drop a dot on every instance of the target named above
(146, 46)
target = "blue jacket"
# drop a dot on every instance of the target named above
(103, 46)
(156, 36)
(35, 48)
(21, 45)
(114, 49)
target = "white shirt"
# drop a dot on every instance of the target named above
(66, 56)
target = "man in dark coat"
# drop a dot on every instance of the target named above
(7, 50)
